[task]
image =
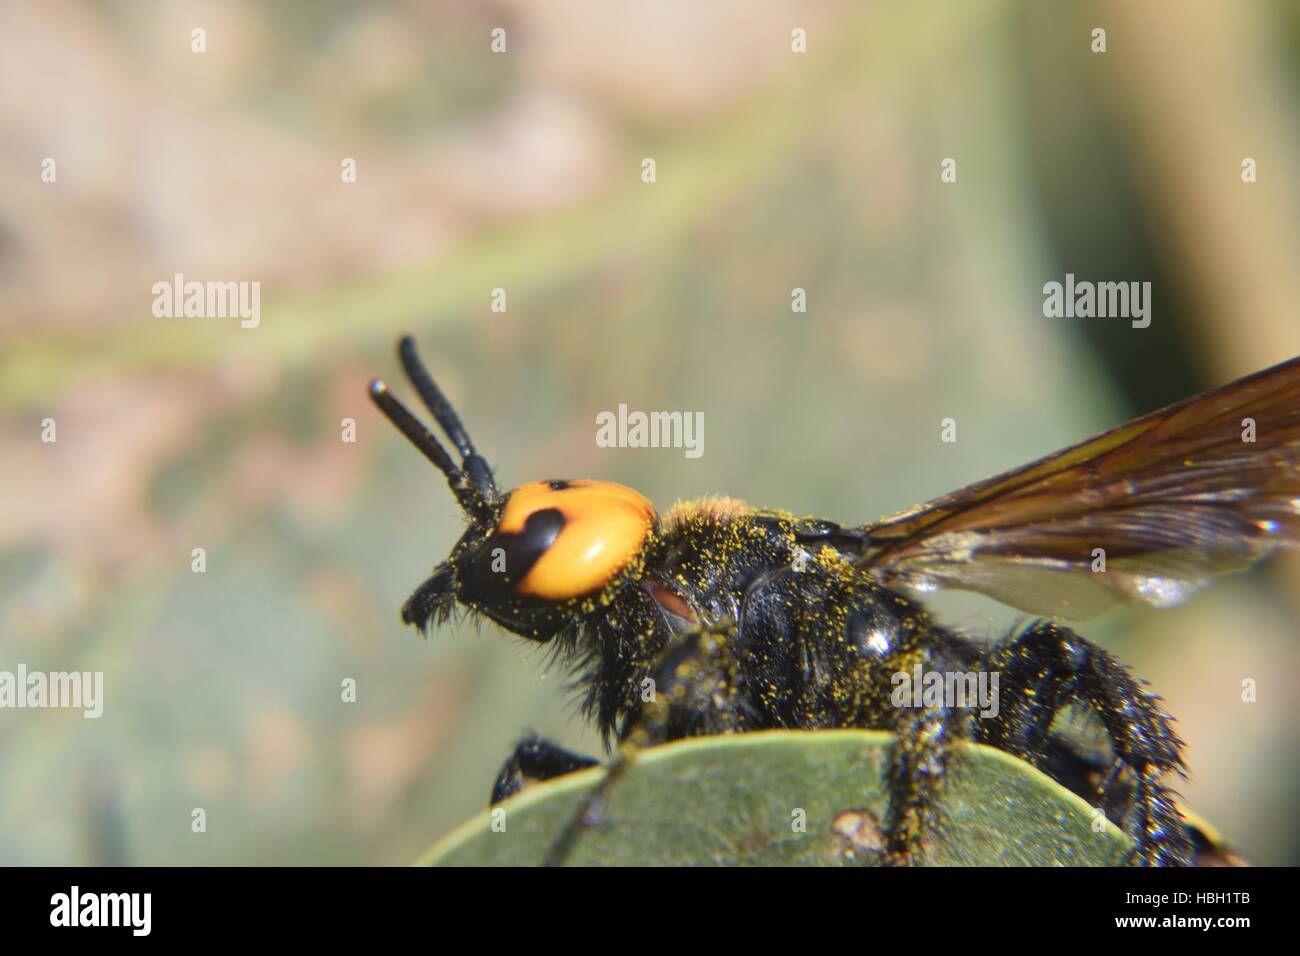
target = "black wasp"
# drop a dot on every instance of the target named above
(746, 619)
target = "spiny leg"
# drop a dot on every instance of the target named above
(537, 759)
(1047, 667)
(919, 758)
(690, 680)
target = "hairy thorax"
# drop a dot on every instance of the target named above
(806, 638)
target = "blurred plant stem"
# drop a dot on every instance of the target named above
(699, 171)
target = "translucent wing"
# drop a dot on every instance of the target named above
(1166, 501)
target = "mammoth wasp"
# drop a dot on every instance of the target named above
(746, 619)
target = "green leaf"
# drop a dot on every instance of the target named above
(734, 800)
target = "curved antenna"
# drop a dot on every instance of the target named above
(479, 472)
(471, 482)
(415, 431)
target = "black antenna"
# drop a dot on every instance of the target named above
(473, 486)
(479, 472)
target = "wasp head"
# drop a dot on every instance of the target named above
(533, 560)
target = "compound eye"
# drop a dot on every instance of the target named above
(578, 534)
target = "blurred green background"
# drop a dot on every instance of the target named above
(521, 171)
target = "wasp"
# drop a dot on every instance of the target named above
(743, 619)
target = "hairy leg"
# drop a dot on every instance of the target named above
(691, 679)
(1048, 667)
(919, 758)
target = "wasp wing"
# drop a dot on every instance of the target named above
(1147, 511)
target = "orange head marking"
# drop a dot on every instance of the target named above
(595, 530)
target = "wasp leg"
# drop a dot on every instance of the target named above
(1048, 667)
(690, 693)
(538, 759)
(592, 805)
(919, 758)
